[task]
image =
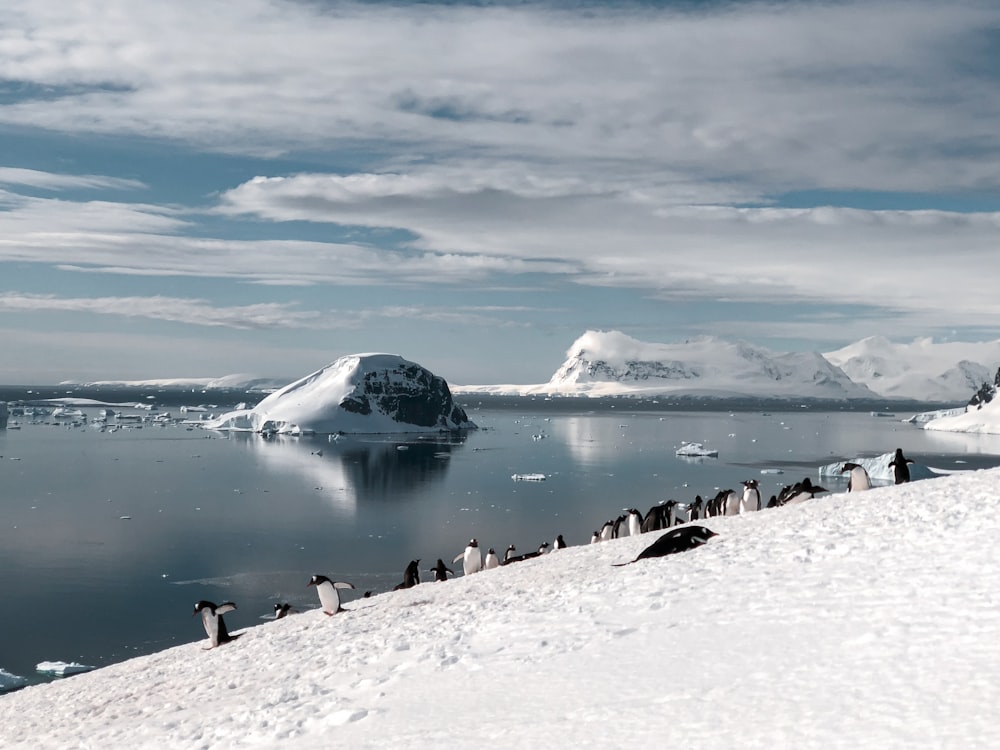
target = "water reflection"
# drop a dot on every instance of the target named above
(349, 470)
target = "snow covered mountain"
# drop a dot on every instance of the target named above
(610, 362)
(363, 393)
(920, 370)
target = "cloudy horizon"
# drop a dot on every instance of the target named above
(199, 189)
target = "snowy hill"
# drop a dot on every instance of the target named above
(860, 621)
(920, 370)
(370, 393)
(610, 362)
(984, 420)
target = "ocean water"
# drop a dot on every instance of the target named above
(107, 538)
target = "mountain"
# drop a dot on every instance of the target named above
(237, 381)
(921, 370)
(610, 362)
(362, 393)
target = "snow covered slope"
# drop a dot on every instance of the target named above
(371, 393)
(984, 420)
(920, 370)
(705, 367)
(850, 621)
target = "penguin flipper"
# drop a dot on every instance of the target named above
(458, 557)
(343, 585)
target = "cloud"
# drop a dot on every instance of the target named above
(52, 181)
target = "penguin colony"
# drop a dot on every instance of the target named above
(664, 515)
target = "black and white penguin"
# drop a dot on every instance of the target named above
(211, 618)
(751, 496)
(730, 503)
(858, 481)
(282, 610)
(595, 537)
(329, 594)
(560, 543)
(607, 530)
(696, 508)
(676, 540)
(509, 553)
(543, 548)
(634, 522)
(799, 492)
(492, 561)
(441, 571)
(411, 576)
(899, 466)
(472, 558)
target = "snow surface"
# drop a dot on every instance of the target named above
(866, 620)
(983, 421)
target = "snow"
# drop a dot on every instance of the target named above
(983, 421)
(878, 468)
(861, 621)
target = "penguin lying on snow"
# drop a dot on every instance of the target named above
(678, 540)
(211, 618)
(799, 492)
(282, 610)
(329, 596)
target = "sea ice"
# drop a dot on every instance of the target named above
(696, 449)
(62, 668)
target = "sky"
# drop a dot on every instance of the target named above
(195, 189)
(853, 620)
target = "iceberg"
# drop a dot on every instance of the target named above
(9, 682)
(358, 393)
(878, 468)
(62, 668)
(696, 449)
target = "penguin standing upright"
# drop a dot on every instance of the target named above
(441, 571)
(595, 537)
(211, 618)
(492, 561)
(859, 481)
(329, 594)
(730, 503)
(751, 496)
(560, 543)
(899, 466)
(696, 508)
(634, 522)
(472, 558)
(607, 530)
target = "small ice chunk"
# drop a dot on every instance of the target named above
(62, 668)
(696, 449)
(772, 471)
(528, 477)
(10, 681)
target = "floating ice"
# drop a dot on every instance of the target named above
(878, 468)
(62, 668)
(528, 477)
(10, 681)
(696, 449)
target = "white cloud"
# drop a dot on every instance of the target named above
(52, 181)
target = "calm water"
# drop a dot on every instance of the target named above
(247, 519)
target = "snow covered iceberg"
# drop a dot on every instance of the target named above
(358, 393)
(878, 468)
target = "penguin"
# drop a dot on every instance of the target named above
(634, 522)
(411, 576)
(751, 496)
(730, 503)
(859, 481)
(472, 558)
(899, 467)
(441, 571)
(510, 552)
(211, 618)
(559, 543)
(607, 530)
(653, 521)
(696, 508)
(773, 502)
(282, 610)
(616, 531)
(677, 540)
(799, 492)
(329, 595)
(492, 561)
(543, 548)
(595, 537)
